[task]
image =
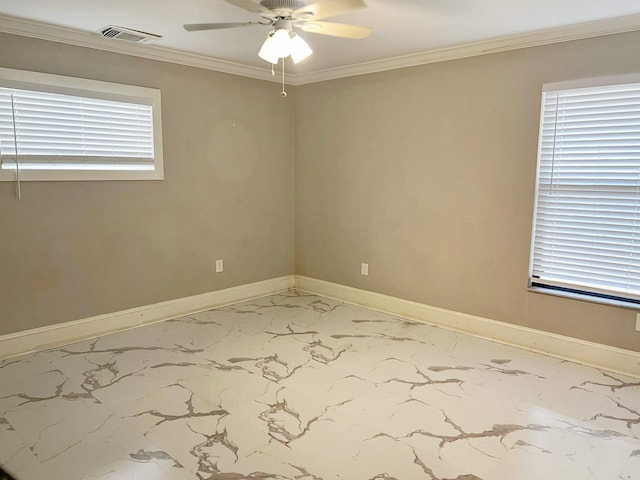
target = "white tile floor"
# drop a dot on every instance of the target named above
(296, 386)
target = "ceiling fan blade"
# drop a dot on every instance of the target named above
(251, 6)
(197, 27)
(337, 29)
(327, 8)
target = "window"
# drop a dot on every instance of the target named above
(586, 235)
(64, 128)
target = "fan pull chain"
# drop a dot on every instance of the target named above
(283, 94)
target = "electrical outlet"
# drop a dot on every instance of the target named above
(637, 322)
(219, 266)
(364, 269)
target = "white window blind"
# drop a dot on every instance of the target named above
(586, 236)
(54, 131)
(63, 128)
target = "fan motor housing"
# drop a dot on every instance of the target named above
(287, 5)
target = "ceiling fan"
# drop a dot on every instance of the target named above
(283, 16)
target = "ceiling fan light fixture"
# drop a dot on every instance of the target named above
(267, 52)
(281, 43)
(283, 16)
(299, 49)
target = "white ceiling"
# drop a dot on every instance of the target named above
(401, 27)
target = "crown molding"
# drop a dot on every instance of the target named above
(580, 31)
(44, 31)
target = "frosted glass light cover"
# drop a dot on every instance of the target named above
(281, 43)
(299, 49)
(267, 51)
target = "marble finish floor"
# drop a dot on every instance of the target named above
(296, 386)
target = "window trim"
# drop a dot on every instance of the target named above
(44, 82)
(591, 82)
(583, 297)
(559, 290)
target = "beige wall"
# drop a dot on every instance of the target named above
(69, 250)
(425, 173)
(428, 175)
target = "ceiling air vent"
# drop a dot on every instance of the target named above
(128, 35)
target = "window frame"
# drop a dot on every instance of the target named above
(44, 82)
(559, 289)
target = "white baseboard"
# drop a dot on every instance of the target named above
(44, 338)
(568, 348)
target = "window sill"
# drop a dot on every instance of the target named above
(80, 175)
(586, 298)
